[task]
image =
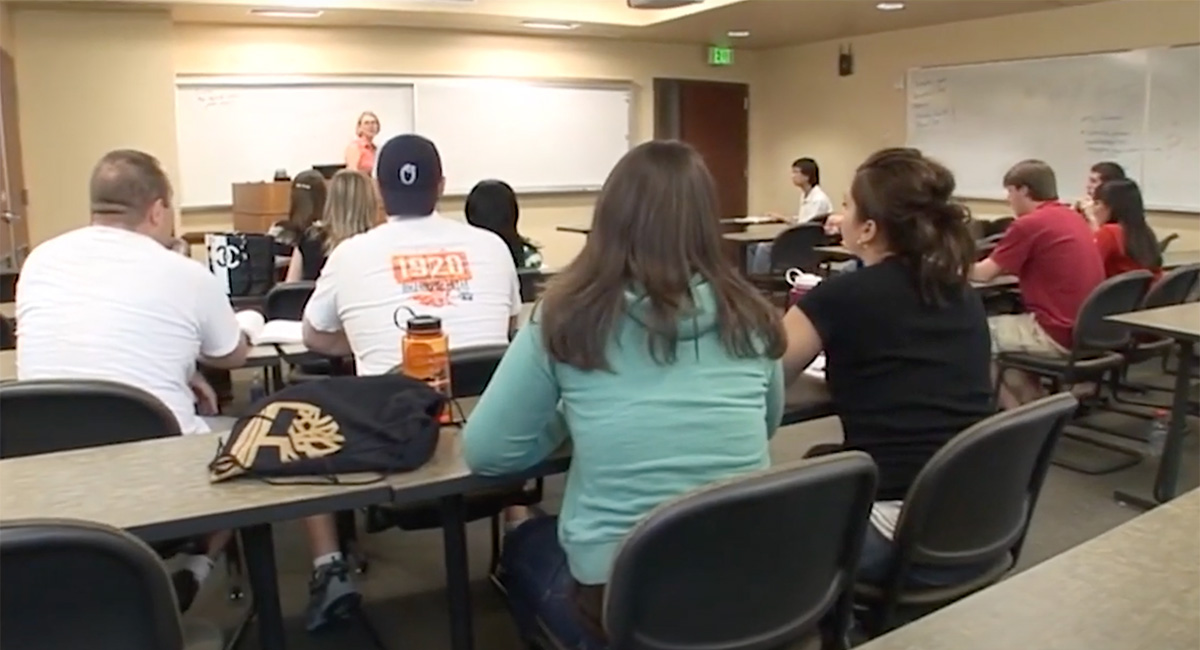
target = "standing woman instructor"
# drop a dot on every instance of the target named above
(360, 153)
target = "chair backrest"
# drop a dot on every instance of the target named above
(1173, 288)
(1166, 241)
(472, 368)
(532, 281)
(72, 585)
(285, 301)
(47, 415)
(8, 333)
(749, 564)
(995, 227)
(793, 248)
(1117, 295)
(973, 500)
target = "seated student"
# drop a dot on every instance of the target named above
(307, 204)
(1099, 174)
(350, 209)
(418, 260)
(905, 338)
(492, 205)
(112, 301)
(815, 206)
(664, 360)
(1124, 239)
(1053, 254)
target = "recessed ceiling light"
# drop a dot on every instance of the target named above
(890, 6)
(549, 24)
(286, 13)
(738, 33)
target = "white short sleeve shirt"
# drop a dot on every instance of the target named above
(814, 204)
(431, 265)
(108, 303)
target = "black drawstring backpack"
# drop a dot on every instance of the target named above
(384, 424)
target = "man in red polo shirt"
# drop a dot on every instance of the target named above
(1054, 256)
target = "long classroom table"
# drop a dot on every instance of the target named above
(159, 489)
(1135, 587)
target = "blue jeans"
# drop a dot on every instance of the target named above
(878, 552)
(533, 570)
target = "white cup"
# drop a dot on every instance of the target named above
(792, 276)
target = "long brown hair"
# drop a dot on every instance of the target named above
(308, 199)
(352, 207)
(654, 229)
(909, 197)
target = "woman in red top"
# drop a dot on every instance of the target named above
(360, 153)
(1125, 241)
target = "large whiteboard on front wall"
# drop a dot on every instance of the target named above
(1069, 111)
(539, 137)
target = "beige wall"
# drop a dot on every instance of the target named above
(6, 28)
(88, 82)
(800, 106)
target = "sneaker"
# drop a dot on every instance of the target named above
(186, 588)
(331, 596)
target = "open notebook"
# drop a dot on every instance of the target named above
(261, 332)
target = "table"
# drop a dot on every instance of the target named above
(578, 230)
(1182, 323)
(159, 490)
(1132, 588)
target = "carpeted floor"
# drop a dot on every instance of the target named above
(404, 588)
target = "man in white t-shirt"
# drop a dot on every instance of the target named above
(814, 206)
(418, 262)
(112, 301)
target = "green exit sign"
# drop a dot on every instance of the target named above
(718, 55)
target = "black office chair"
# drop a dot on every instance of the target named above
(470, 371)
(756, 563)
(286, 301)
(997, 226)
(72, 585)
(792, 248)
(1096, 352)
(8, 333)
(970, 506)
(43, 416)
(532, 283)
(1172, 289)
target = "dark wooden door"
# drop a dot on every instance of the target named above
(713, 118)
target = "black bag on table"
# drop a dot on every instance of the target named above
(243, 262)
(383, 424)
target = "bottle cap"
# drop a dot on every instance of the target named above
(424, 324)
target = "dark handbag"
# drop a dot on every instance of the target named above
(384, 424)
(243, 262)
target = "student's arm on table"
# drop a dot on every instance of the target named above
(516, 423)
(295, 272)
(803, 343)
(222, 343)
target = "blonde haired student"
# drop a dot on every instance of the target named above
(352, 207)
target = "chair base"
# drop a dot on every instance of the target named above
(1128, 457)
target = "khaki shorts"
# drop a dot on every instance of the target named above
(1021, 333)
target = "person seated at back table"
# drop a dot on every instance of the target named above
(492, 205)
(815, 207)
(112, 301)
(418, 260)
(656, 358)
(1124, 239)
(351, 208)
(1099, 174)
(1053, 254)
(905, 337)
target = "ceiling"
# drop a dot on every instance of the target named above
(771, 23)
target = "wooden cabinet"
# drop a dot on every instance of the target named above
(258, 205)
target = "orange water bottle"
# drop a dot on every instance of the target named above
(426, 353)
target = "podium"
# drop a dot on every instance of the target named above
(256, 206)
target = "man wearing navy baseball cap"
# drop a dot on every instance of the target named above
(418, 260)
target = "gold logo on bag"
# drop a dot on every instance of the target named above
(309, 433)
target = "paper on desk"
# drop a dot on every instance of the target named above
(261, 332)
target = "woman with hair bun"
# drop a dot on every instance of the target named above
(907, 349)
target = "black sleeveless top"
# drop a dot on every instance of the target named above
(312, 252)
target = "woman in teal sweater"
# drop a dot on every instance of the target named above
(659, 363)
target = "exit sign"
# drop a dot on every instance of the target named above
(718, 55)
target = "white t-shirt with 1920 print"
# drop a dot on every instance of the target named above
(107, 303)
(432, 265)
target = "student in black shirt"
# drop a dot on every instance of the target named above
(352, 208)
(906, 342)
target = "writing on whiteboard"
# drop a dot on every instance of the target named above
(930, 102)
(1105, 135)
(215, 98)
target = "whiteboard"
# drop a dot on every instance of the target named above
(979, 120)
(539, 137)
(535, 137)
(242, 130)
(1171, 173)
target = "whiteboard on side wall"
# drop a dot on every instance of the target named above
(238, 130)
(534, 136)
(1171, 173)
(1071, 112)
